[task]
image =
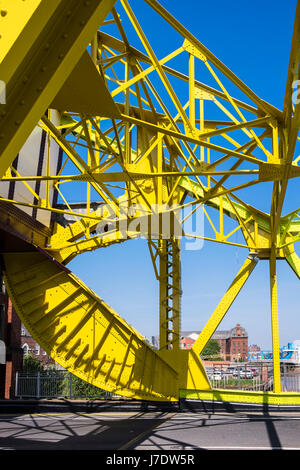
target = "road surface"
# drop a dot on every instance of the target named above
(156, 431)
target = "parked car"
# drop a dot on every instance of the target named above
(217, 376)
(244, 374)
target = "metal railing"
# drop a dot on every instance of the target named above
(246, 376)
(256, 377)
(56, 384)
(290, 379)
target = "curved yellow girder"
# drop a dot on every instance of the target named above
(82, 333)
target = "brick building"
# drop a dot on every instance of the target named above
(30, 346)
(15, 342)
(186, 342)
(11, 353)
(233, 342)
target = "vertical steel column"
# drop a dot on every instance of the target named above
(192, 89)
(273, 284)
(169, 294)
(275, 325)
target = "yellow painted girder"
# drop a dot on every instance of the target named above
(44, 51)
(120, 46)
(76, 327)
(189, 138)
(224, 305)
(289, 134)
(274, 320)
(64, 253)
(242, 396)
(82, 333)
(266, 172)
(266, 107)
(85, 92)
(88, 338)
(293, 260)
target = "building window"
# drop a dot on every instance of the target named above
(25, 349)
(37, 349)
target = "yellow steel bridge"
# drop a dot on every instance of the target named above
(90, 108)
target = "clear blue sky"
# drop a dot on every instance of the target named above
(253, 39)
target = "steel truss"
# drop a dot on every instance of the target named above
(139, 140)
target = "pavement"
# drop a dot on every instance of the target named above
(153, 431)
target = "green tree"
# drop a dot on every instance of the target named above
(212, 351)
(32, 364)
(82, 389)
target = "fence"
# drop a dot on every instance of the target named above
(56, 384)
(62, 384)
(258, 377)
(290, 379)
